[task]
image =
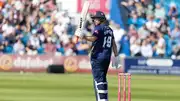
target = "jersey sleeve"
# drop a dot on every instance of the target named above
(96, 32)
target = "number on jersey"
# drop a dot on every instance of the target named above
(107, 42)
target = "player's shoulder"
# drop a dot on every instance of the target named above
(98, 27)
(102, 27)
(106, 27)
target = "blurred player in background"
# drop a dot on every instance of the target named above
(102, 45)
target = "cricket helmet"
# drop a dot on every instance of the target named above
(100, 15)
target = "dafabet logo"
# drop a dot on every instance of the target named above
(6, 62)
(71, 64)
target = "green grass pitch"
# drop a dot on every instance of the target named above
(78, 87)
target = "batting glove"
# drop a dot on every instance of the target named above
(116, 62)
(79, 33)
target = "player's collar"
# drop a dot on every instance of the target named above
(104, 24)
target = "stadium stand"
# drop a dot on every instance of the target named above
(38, 27)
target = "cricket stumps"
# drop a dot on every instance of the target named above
(122, 79)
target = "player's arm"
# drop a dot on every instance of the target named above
(90, 38)
(94, 36)
(117, 59)
(114, 47)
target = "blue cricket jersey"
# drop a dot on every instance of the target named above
(102, 47)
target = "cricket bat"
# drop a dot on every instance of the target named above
(82, 19)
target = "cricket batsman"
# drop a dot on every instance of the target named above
(102, 45)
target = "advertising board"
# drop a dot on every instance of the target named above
(152, 66)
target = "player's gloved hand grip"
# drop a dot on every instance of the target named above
(79, 33)
(116, 62)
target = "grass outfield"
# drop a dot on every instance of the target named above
(78, 87)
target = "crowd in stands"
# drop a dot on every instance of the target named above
(38, 27)
(153, 30)
(35, 27)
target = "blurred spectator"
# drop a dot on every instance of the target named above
(151, 24)
(1, 48)
(18, 5)
(153, 41)
(161, 45)
(82, 48)
(19, 47)
(132, 31)
(64, 38)
(173, 12)
(34, 40)
(168, 45)
(135, 47)
(7, 28)
(159, 12)
(8, 48)
(58, 29)
(129, 5)
(173, 22)
(1, 38)
(49, 46)
(68, 50)
(124, 45)
(1, 4)
(146, 48)
(139, 9)
(149, 10)
(175, 35)
(163, 26)
(143, 32)
(48, 27)
(118, 33)
(30, 50)
(134, 20)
